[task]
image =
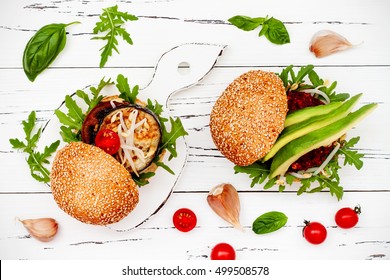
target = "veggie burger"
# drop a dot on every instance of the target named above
(94, 184)
(279, 129)
(117, 147)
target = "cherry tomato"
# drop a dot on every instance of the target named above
(314, 232)
(347, 217)
(184, 219)
(108, 141)
(223, 251)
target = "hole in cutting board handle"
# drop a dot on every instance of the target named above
(183, 68)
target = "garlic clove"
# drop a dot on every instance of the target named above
(224, 201)
(43, 229)
(327, 42)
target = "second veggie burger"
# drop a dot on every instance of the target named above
(279, 129)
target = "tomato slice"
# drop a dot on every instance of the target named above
(108, 141)
(184, 219)
(223, 251)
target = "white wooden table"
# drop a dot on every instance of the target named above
(162, 25)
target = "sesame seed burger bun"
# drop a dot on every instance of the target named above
(91, 186)
(248, 117)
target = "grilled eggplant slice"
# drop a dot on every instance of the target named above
(140, 134)
(95, 117)
(138, 128)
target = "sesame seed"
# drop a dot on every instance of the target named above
(91, 186)
(248, 117)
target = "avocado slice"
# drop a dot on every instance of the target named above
(309, 112)
(294, 131)
(318, 138)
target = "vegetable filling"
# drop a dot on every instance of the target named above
(298, 100)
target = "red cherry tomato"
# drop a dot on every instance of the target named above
(347, 217)
(108, 141)
(184, 219)
(223, 251)
(314, 232)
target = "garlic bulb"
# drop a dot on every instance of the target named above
(43, 229)
(224, 200)
(326, 42)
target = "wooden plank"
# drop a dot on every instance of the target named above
(193, 106)
(200, 24)
(155, 239)
(162, 25)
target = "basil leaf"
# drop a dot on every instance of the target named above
(276, 32)
(43, 48)
(272, 28)
(269, 222)
(246, 23)
(264, 30)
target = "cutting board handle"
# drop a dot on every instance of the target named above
(179, 68)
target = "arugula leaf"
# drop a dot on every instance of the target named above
(164, 166)
(272, 182)
(333, 96)
(330, 183)
(130, 95)
(351, 157)
(143, 178)
(296, 82)
(333, 186)
(73, 120)
(273, 29)
(339, 97)
(303, 72)
(75, 114)
(96, 96)
(111, 21)
(257, 171)
(156, 108)
(168, 140)
(36, 160)
(285, 74)
(69, 135)
(315, 80)
(328, 179)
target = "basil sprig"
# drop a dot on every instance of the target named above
(269, 222)
(43, 48)
(273, 29)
